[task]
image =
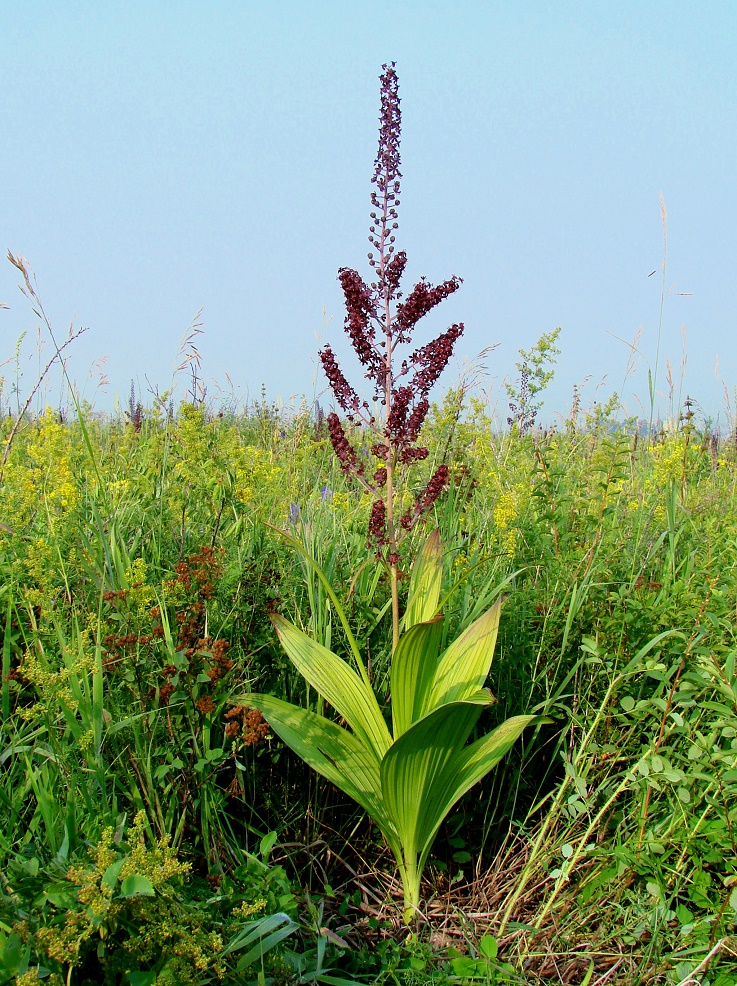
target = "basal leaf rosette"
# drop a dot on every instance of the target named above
(407, 778)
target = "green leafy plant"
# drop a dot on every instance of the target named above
(378, 324)
(407, 778)
(128, 914)
(482, 964)
(535, 373)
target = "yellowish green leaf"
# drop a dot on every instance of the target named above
(425, 583)
(464, 666)
(413, 669)
(338, 683)
(332, 751)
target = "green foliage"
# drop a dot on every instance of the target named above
(127, 915)
(606, 541)
(410, 779)
(535, 373)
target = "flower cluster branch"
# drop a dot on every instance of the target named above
(378, 321)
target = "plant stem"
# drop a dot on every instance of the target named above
(394, 576)
(384, 256)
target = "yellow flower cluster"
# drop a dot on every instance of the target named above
(505, 511)
(255, 472)
(190, 949)
(246, 911)
(670, 461)
(340, 502)
(40, 474)
(50, 455)
(159, 864)
(140, 595)
(675, 461)
(509, 506)
(55, 686)
(31, 978)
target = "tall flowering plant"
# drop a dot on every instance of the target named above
(408, 772)
(378, 322)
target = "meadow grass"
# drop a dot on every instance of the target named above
(140, 565)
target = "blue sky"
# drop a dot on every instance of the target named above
(158, 158)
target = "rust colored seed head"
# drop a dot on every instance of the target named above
(344, 393)
(433, 358)
(235, 788)
(433, 489)
(408, 455)
(377, 524)
(422, 300)
(395, 424)
(342, 447)
(386, 170)
(165, 693)
(377, 322)
(393, 274)
(255, 727)
(416, 420)
(361, 307)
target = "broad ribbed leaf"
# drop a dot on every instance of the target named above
(460, 772)
(425, 583)
(414, 665)
(414, 761)
(463, 667)
(339, 684)
(333, 752)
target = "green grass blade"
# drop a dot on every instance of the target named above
(266, 931)
(5, 685)
(298, 546)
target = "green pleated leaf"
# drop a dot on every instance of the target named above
(475, 760)
(338, 683)
(413, 669)
(425, 583)
(464, 666)
(333, 752)
(466, 767)
(414, 761)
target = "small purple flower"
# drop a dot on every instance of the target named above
(282, 434)
(326, 493)
(294, 513)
